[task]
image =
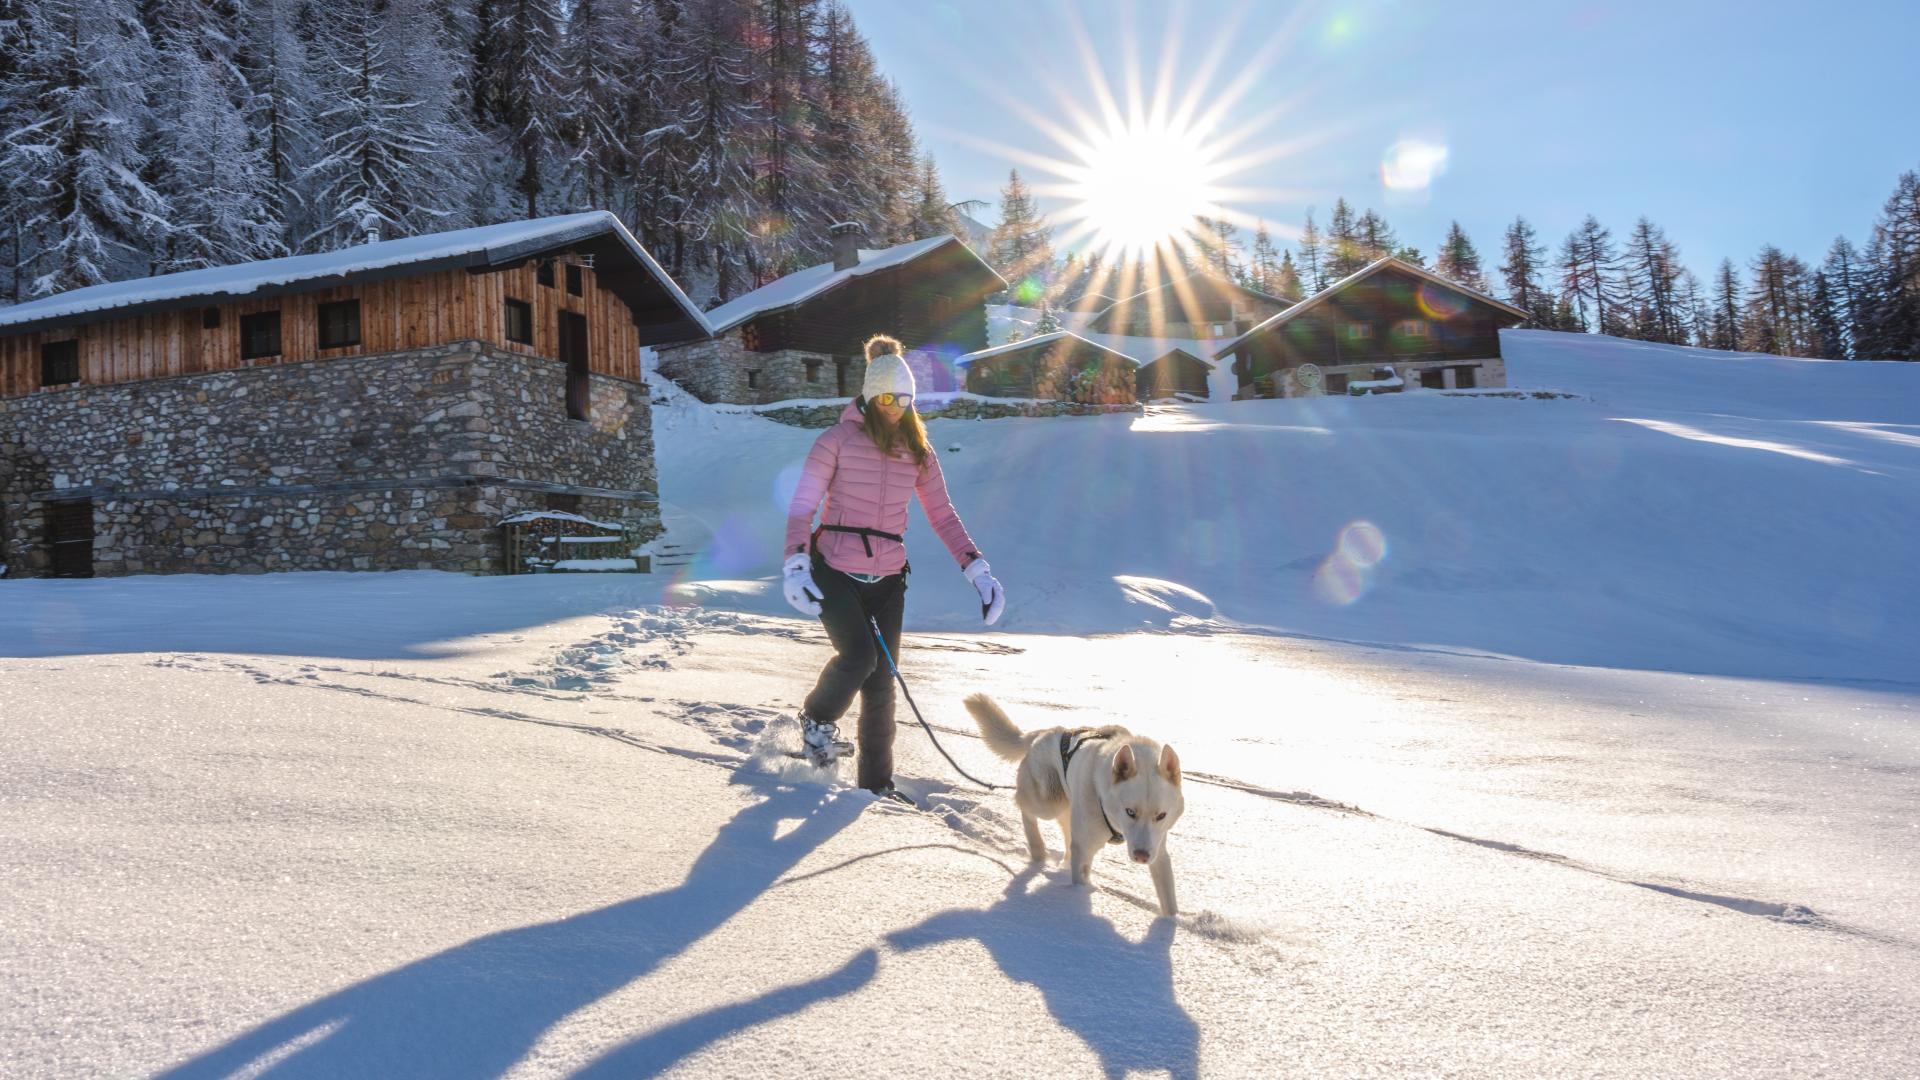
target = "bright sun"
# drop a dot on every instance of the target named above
(1141, 186)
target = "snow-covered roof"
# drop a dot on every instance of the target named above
(1040, 339)
(806, 284)
(487, 245)
(1364, 272)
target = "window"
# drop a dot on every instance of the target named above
(340, 324)
(210, 318)
(1433, 378)
(1359, 331)
(1413, 328)
(753, 380)
(575, 285)
(544, 273)
(1336, 382)
(840, 366)
(1463, 376)
(259, 335)
(813, 371)
(59, 363)
(520, 322)
(573, 353)
(1219, 329)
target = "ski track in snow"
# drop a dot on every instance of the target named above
(766, 741)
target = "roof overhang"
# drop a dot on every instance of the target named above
(1362, 274)
(660, 309)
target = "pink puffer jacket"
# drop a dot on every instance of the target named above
(862, 488)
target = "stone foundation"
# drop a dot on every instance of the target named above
(397, 461)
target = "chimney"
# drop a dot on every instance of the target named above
(846, 245)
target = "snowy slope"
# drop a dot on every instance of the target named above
(1590, 753)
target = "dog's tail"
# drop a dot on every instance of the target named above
(1001, 736)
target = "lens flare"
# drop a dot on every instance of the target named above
(1345, 575)
(1141, 184)
(1412, 165)
(1438, 303)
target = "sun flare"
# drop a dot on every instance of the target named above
(1141, 186)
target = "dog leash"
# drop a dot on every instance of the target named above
(895, 668)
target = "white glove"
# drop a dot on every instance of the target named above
(993, 598)
(802, 593)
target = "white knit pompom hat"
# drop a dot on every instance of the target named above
(887, 370)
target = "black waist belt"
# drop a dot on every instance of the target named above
(863, 533)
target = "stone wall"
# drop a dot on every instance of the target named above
(398, 461)
(724, 370)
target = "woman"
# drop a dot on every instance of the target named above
(854, 565)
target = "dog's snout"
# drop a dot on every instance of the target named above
(1140, 855)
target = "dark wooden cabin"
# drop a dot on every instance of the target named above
(802, 336)
(1391, 314)
(534, 292)
(1177, 372)
(1060, 366)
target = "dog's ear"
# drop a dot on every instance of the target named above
(1124, 766)
(1170, 765)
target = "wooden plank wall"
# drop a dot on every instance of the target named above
(402, 313)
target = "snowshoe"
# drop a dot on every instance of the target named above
(820, 743)
(893, 793)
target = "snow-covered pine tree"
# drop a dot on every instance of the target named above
(1727, 329)
(395, 151)
(899, 178)
(789, 171)
(1459, 260)
(516, 92)
(14, 241)
(1312, 258)
(598, 52)
(216, 181)
(1523, 256)
(73, 154)
(1048, 321)
(1019, 246)
(719, 209)
(274, 63)
(850, 128)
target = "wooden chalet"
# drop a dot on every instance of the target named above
(802, 336)
(376, 407)
(1194, 307)
(1061, 366)
(1390, 316)
(1176, 373)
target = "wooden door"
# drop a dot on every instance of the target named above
(70, 537)
(573, 353)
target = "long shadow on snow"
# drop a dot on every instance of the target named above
(1116, 994)
(475, 1009)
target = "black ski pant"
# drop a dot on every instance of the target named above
(857, 666)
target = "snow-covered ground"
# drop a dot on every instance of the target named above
(1526, 737)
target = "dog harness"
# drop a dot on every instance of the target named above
(1071, 742)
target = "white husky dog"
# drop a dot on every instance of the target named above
(1102, 785)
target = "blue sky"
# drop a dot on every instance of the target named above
(1731, 125)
